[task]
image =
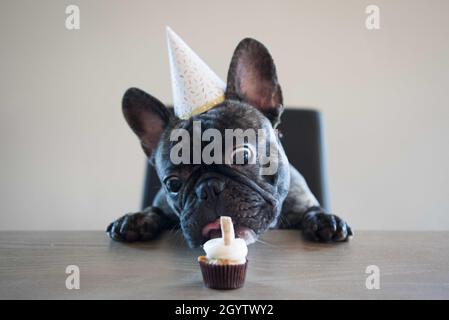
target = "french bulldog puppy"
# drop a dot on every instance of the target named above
(194, 196)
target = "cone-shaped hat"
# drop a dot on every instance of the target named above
(196, 88)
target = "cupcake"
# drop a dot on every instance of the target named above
(224, 265)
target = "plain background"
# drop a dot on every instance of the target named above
(69, 161)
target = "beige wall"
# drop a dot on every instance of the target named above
(68, 160)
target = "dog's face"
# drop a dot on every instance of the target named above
(236, 184)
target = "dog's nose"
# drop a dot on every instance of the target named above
(210, 189)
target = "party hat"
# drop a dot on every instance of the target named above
(196, 88)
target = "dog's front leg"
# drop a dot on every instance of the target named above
(318, 225)
(302, 211)
(145, 225)
(139, 226)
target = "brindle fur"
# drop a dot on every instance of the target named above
(253, 100)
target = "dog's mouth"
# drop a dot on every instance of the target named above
(213, 230)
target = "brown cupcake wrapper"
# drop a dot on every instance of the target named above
(223, 276)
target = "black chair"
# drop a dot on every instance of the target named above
(303, 141)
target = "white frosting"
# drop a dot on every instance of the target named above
(236, 251)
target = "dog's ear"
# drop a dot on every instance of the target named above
(147, 117)
(252, 79)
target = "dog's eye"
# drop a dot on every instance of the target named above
(173, 184)
(242, 155)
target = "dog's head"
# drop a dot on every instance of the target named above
(236, 183)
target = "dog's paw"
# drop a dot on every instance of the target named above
(134, 227)
(323, 227)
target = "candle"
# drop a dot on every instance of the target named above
(227, 230)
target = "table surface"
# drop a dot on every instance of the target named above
(412, 265)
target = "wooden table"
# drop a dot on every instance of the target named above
(413, 265)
